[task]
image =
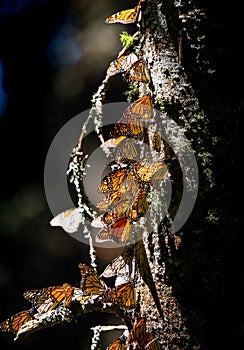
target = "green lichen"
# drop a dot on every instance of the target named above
(126, 39)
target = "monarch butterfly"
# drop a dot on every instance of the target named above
(15, 322)
(124, 146)
(127, 294)
(147, 171)
(113, 215)
(138, 71)
(86, 269)
(113, 180)
(69, 220)
(124, 294)
(122, 210)
(121, 64)
(109, 199)
(93, 284)
(118, 344)
(142, 107)
(125, 16)
(127, 148)
(130, 127)
(48, 298)
(127, 190)
(120, 266)
(119, 232)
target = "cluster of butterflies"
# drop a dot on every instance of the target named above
(123, 295)
(127, 187)
(134, 68)
(139, 337)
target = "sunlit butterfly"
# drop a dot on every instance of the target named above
(147, 171)
(15, 322)
(127, 191)
(125, 16)
(86, 270)
(124, 294)
(118, 344)
(113, 180)
(142, 107)
(120, 266)
(138, 71)
(119, 232)
(120, 211)
(123, 146)
(69, 220)
(127, 294)
(127, 148)
(93, 284)
(110, 199)
(121, 64)
(129, 127)
(48, 298)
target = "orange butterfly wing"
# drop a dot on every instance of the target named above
(142, 107)
(118, 344)
(94, 285)
(119, 232)
(149, 342)
(121, 64)
(139, 330)
(113, 180)
(68, 292)
(126, 293)
(124, 17)
(138, 71)
(15, 322)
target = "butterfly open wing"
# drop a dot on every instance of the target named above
(124, 16)
(15, 322)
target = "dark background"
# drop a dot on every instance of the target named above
(53, 56)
